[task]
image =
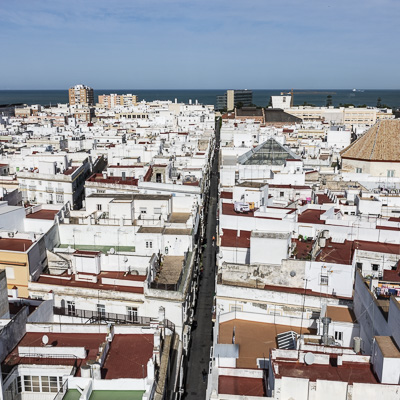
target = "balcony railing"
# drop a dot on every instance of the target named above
(49, 190)
(100, 316)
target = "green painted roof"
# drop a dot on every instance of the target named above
(73, 394)
(103, 249)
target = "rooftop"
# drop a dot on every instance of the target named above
(71, 281)
(230, 238)
(255, 339)
(239, 386)
(268, 153)
(347, 372)
(170, 270)
(127, 357)
(388, 346)
(380, 143)
(311, 216)
(341, 314)
(11, 244)
(43, 214)
(116, 180)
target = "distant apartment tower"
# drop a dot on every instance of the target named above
(232, 98)
(81, 94)
(113, 100)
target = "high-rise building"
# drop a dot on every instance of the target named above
(112, 100)
(232, 98)
(81, 94)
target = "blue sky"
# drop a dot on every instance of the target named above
(165, 44)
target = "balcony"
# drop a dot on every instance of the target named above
(60, 190)
(49, 190)
(31, 187)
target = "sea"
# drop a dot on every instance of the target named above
(261, 97)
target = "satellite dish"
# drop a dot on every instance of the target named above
(292, 273)
(125, 259)
(45, 340)
(112, 250)
(309, 358)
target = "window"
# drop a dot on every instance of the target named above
(10, 273)
(35, 384)
(324, 280)
(101, 310)
(45, 384)
(281, 194)
(338, 335)
(157, 210)
(71, 308)
(235, 308)
(390, 173)
(132, 314)
(98, 207)
(149, 245)
(359, 265)
(59, 198)
(359, 170)
(375, 267)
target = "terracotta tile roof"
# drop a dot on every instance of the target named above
(226, 195)
(230, 238)
(43, 214)
(311, 216)
(128, 356)
(323, 199)
(380, 143)
(241, 386)
(255, 339)
(347, 372)
(20, 245)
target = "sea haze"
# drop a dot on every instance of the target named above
(260, 97)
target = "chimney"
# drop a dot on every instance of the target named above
(325, 321)
(14, 292)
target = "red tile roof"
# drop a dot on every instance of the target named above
(72, 282)
(239, 386)
(323, 199)
(70, 171)
(226, 195)
(231, 239)
(128, 356)
(311, 216)
(90, 341)
(347, 372)
(113, 180)
(43, 214)
(20, 245)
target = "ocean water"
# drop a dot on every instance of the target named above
(260, 97)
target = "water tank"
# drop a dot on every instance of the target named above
(85, 371)
(357, 344)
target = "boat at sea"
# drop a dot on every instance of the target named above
(358, 90)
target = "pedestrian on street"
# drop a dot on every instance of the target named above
(204, 373)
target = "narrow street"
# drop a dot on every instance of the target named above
(202, 335)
